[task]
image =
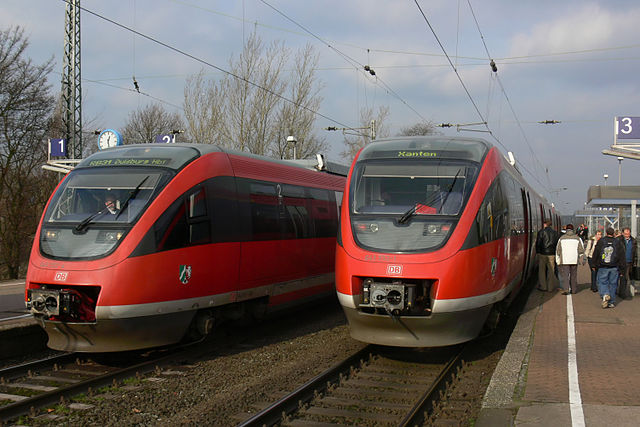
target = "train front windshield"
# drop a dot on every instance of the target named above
(400, 205)
(94, 208)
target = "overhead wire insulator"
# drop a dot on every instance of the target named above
(549, 122)
(493, 65)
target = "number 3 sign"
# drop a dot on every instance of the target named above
(627, 127)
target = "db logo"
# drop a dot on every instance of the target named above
(394, 269)
(60, 276)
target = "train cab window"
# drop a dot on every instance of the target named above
(394, 187)
(408, 205)
(94, 208)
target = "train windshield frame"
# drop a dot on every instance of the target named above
(411, 205)
(94, 208)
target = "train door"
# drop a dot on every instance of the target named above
(527, 233)
(530, 231)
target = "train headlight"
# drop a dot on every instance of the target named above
(433, 229)
(367, 227)
(51, 235)
(109, 236)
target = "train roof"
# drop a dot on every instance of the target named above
(175, 156)
(435, 147)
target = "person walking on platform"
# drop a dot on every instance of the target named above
(589, 252)
(631, 255)
(546, 249)
(583, 233)
(568, 252)
(609, 259)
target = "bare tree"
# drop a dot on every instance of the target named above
(296, 119)
(419, 129)
(248, 111)
(26, 106)
(252, 110)
(204, 111)
(144, 124)
(353, 143)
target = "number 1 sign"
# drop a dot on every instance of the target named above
(58, 147)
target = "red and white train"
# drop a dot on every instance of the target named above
(197, 233)
(436, 236)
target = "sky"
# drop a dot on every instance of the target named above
(575, 61)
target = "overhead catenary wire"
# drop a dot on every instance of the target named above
(473, 102)
(402, 52)
(209, 64)
(348, 58)
(128, 89)
(504, 92)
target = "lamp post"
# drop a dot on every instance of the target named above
(605, 176)
(620, 159)
(292, 140)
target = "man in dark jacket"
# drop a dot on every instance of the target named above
(631, 256)
(546, 249)
(609, 260)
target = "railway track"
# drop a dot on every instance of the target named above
(26, 388)
(375, 386)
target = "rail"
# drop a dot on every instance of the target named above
(373, 385)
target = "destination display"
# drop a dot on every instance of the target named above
(420, 154)
(137, 161)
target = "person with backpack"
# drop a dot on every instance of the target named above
(609, 260)
(546, 242)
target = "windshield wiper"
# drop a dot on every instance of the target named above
(81, 228)
(412, 211)
(408, 214)
(450, 189)
(132, 194)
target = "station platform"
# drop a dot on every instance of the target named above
(20, 334)
(569, 362)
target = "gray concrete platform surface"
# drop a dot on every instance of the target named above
(569, 362)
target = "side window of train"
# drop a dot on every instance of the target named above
(184, 223)
(492, 220)
(197, 219)
(263, 205)
(294, 206)
(226, 222)
(513, 195)
(324, 212)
